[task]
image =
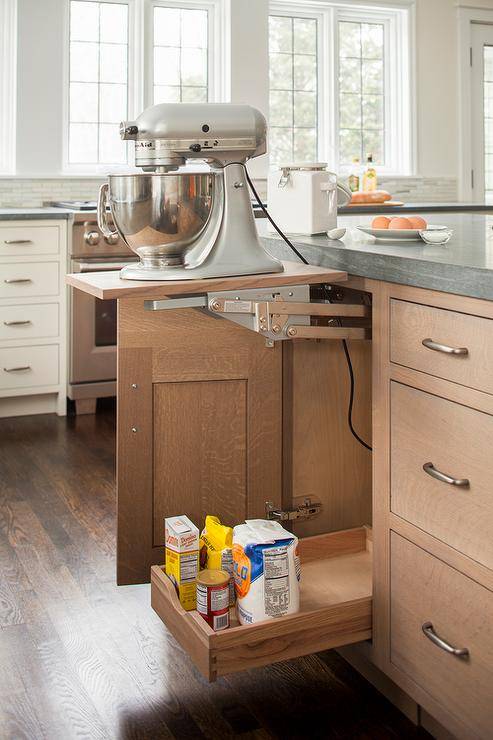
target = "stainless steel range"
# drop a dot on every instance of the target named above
(92, 322)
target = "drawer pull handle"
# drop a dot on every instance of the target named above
(17, 369)
(9, 281)
(430, 633)
(437, 347)
(17, 241)
(17, 323)
(444, 478)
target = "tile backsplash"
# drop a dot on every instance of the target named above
(32, 193)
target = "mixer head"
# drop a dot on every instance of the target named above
(168, 134)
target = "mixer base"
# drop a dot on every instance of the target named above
(137, 271)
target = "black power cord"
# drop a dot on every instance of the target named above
(344, 343)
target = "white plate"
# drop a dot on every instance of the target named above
(407, 235)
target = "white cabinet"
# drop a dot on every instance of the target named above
(33, 343)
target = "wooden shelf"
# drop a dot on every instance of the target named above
(336, 605)
(108, 284)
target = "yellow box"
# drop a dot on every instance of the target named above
(182, 558)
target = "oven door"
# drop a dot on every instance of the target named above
(93, 329)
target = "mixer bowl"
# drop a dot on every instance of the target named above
(161, 216)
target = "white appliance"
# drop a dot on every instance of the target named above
(303, 198)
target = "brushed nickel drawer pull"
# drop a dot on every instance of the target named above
(17, 241)
(430, 633)
(17, 323)
(17, 369)
(437, 347)
(444, 478)
(17, 280)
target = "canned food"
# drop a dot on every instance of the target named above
(213, 598)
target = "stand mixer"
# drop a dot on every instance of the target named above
(187, 224)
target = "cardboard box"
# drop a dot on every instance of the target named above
(182, 558)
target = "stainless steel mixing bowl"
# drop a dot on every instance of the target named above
(160, 216)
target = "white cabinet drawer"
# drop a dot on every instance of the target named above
(32, 321)
(17, 241)
(28, 367)
(23, 280)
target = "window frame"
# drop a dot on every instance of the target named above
(8, 86)
(140, 67)
(398, 20)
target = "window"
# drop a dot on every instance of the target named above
(125, 55)
(340, 84)
(180, 55)
(98, 89)
(8, 32)
(361, 92)
(293, 88)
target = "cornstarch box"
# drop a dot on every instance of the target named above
(182, 558)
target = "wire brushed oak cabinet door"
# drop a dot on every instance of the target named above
(199, 427)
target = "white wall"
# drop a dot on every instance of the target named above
(41, 53)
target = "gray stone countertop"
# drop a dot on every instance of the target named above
(463, 266)
(33, 214)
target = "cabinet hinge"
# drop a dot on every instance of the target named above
(307, 510)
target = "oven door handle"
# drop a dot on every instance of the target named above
(97, 266)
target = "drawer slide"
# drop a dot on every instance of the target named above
(336, 606)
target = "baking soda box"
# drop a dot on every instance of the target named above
(182, 558)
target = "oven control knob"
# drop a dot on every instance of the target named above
(112, 239)
(92, 238)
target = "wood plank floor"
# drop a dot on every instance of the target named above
(83, 658)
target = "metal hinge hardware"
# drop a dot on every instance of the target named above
(275, 313)
(306, 510)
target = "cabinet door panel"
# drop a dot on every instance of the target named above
(200, 451)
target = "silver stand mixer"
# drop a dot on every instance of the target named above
(188, 224)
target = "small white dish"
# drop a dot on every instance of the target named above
(336, 233)
(431, 236)
(404, 235)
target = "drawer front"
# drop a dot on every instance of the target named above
(32, 321)
(425, 590)
(25, 280)
(411, 323)
(458, 442)
(28, 367)
(16, 241)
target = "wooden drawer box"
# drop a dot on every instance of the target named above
(458, 441)
(425, 590)
(29, 279)
(28, 367)
(31, 321)
(17, 241)
(413, 323)
(336, 602)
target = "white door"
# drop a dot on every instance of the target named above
(482, 111)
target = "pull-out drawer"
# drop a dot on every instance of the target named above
(28, 367)
(29, 279)
(16, 241)
(441, 473)
(442, 634)
(30, 321)
(335, 610)
(447, 344)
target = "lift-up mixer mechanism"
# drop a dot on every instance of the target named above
(278, 313)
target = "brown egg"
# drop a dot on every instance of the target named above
(417, 222)
(380, 222)
(399, 222)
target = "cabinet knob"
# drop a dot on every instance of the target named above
(445, 348)
(444, 478)
(112, 239)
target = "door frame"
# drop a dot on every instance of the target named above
(466, 18)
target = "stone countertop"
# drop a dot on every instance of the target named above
(34, 214)
(419, 208)
(464, 266)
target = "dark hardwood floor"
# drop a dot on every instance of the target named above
(83, 658)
